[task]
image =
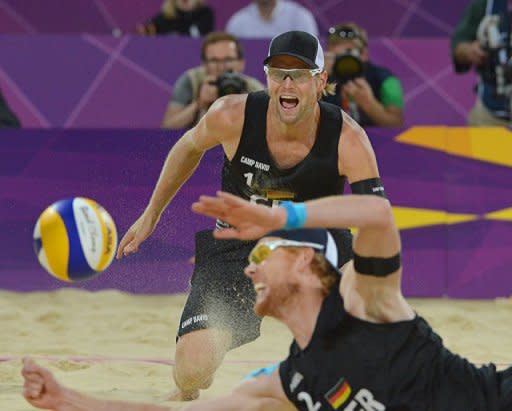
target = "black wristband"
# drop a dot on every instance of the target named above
(369, 186)
(377, 266)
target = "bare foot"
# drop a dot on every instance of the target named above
(179, 395)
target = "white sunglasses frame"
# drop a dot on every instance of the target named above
(274, 244)
(313, 72)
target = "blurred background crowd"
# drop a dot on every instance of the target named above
(133, 64)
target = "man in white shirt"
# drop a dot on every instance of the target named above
(268, 18)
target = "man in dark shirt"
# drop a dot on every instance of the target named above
(371, 94)
(358, 345)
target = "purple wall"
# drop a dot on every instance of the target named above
(395, 18)
(101, 81)
(118, 168)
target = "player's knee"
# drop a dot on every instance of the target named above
(190, 376)
(198, 355)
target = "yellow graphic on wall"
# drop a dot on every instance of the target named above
(490, 144)
(502, 215)
(420, 217)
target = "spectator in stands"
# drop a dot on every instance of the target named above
(371, 94)
(268, 18)
(7, 117)
(185, 17)
(481, 40)
(219, 74)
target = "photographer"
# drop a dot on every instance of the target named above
(372, 95)
(481, 40)
(220, 74)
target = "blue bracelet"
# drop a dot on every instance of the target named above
(295, 214)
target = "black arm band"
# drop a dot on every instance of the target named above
(369, 186)
(377, 266)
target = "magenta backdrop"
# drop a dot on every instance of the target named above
(101, 81)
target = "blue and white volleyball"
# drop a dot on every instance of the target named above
(75, 239)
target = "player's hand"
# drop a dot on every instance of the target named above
(138, 232)
(360, 90)
(250, 221)
(40, 388)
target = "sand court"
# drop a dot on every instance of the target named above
(120, 346)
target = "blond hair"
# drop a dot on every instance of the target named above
(169, 9)
(329, 89)
(322, 269)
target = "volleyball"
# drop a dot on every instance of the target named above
(75, 239)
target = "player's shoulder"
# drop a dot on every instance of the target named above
(225, 120)
(351, 131)
(230, 107)
(227, 111)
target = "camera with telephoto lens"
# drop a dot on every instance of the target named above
(497, 69)
(230, 83)
(348, 66)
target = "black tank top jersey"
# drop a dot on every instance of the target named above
(252, 174)
(354, 365)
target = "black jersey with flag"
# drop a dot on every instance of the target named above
(354, 365)
(252, 174)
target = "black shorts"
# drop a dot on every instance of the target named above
(505, 394)
(221, 296)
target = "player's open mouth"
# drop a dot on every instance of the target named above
(288, 102)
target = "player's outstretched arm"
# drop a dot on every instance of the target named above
(252, 221)
(263, 393)
(42, 390)
(221, 125)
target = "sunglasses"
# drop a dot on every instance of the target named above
(263, 250)
(297, 75)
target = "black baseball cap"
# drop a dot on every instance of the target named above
(316, 236)
(299, 44)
